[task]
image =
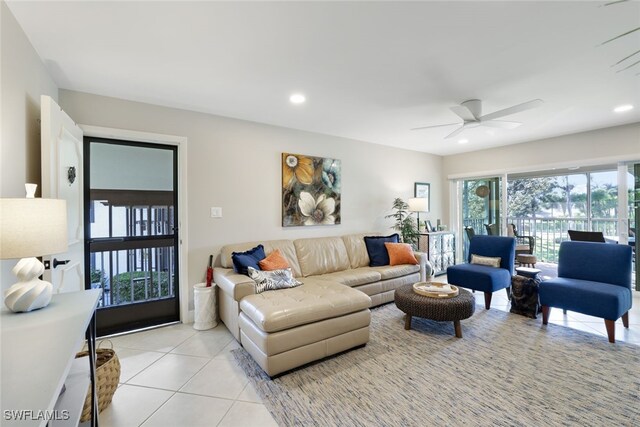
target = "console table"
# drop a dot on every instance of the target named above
(38, 358)
(440, 247)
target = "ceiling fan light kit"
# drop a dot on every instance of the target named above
(470, 112)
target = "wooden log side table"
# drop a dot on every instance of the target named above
(440, 309)
(528, 272)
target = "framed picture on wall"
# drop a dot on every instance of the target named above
(311, 190)
(423, 190)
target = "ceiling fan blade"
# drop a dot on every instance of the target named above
(464, 113)
(503, 124)
(435, 126)
(512, 110)
(455, 132)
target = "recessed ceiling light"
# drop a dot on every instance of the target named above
(463, 141)
(297, 98)
(623, 108)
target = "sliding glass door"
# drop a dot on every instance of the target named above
(131, 233)
(546, 204)
(480, 207)
(634, 218)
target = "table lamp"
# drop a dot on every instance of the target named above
(418, 204)
(29, 228)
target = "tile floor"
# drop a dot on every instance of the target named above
(177, 376)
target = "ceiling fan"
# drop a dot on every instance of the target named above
(471, 113)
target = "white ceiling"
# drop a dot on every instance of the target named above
(370, 70)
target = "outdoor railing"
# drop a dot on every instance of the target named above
(549, 232)
(133, 275)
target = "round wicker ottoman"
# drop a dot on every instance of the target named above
(441, 309)
(527, 259)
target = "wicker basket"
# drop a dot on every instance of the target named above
(107, 379)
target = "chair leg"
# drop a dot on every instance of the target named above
(545, 314)
(564, 311)
(487, 300)
(611, 329)
(625, 320)
(508, 292)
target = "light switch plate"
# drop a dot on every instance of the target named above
(216, 212)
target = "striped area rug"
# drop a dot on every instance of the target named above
(506, 371)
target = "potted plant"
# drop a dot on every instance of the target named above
(405, 224)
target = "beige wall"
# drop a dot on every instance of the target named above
(602, 146)
(23, 79)
(236, 165)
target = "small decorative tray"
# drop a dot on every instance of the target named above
(427, 289)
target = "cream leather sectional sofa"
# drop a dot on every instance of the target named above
(327, 314)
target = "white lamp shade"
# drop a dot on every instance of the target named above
(32, 227)
(418, 204)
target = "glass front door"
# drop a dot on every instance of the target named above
(131, 233)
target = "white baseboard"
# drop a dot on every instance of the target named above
(189, 317)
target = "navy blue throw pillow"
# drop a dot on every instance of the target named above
(243, 260)
(378, 255)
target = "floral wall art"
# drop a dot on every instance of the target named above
(310, 190)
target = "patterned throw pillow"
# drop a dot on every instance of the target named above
(273, 261)
(271, 280)
(485, 260)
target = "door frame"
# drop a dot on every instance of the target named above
(186, 316)
(57, 128)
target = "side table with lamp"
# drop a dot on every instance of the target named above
(40, 342)
(440, 247)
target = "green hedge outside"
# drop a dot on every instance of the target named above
(98, 276)
(121, 286)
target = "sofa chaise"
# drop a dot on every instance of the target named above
(329, 313)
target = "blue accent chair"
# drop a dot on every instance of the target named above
(481, 277)
(593, 279)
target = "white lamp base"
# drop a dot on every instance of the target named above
(28, 296)
(30, 293)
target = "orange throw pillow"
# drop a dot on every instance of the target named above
(274, 261)
(400, 253)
